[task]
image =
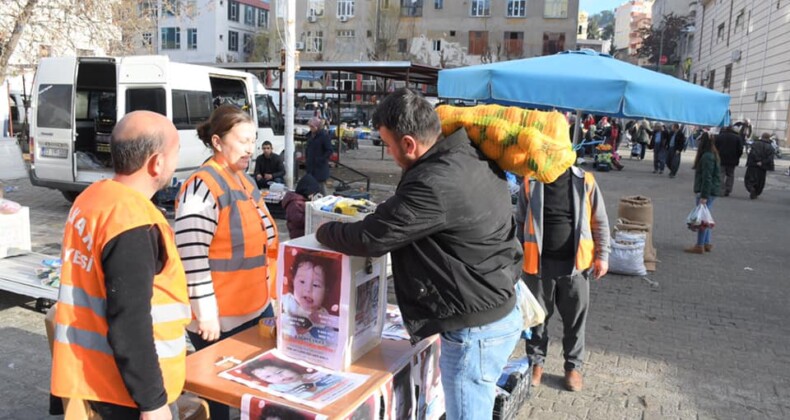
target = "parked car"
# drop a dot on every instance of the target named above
(331, 94)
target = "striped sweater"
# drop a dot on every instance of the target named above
(196, 221)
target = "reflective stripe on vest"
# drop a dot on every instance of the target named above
(586, 246)
(230, 198)
(85, 339)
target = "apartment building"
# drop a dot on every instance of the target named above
(740, 48)
(435, 32)
(629, 18)
(663, 8)
(207, 31)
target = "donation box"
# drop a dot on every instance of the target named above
(331, 306)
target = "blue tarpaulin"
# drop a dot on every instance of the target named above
(310, 75)
(587, 81)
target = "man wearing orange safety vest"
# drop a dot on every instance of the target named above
(119, 323)
(565, 232)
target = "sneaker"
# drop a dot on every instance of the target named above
(671, 175)
(655, 172)
(696, 249)
(708, 247)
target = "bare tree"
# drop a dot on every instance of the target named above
(386, 29)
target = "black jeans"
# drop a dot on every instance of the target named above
(110, 411)
(219, 411)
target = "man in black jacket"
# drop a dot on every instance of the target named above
(675, 146)
(269, 167)
(730, 145)
(759, 160)
(455, 255)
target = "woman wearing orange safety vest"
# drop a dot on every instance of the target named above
(226, 236)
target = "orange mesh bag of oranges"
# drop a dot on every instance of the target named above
(528, 143)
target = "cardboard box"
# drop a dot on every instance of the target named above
(16, 231)
(331, 306)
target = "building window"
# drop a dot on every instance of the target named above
(345, 8)
(478, 42)
(555, 9)
(739, 20)
(711, 79)
(171, 38)
(695, 78)
(233, 10)
(249, 15)
(452, 33)
(480, 8)
(315, 8)
(436, 45)
(191, 38)
(725, 83)
(314, 41)
(438, 4)
(146, 9)
(720, 33)
(346, 33)
(169, 8)
(249, 44)
(514, 44)
(553, 42)
(412, 8)
(516, 8)
(263, 18)
(148, 39)
(233, 41)
(402, 46)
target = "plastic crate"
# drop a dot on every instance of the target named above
(515, 391)
(315, 217)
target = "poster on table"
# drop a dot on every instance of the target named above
(332, 305)
(428, 379)
(393, 325)
(293, 380)
(368, 410)
(257, 408)
(398, 395)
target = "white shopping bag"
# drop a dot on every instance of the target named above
(531, 311)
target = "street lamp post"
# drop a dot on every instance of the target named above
(660, 48)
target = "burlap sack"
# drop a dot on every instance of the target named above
(626, 225)
(639, 209)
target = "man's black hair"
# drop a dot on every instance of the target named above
(406, 112)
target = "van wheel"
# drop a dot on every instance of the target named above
(70, 195)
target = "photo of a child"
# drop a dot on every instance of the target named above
(276, 374)
(256, 408)
(310, 295)
(367, 307)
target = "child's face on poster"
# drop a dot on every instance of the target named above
(276, 375)
(310, 286)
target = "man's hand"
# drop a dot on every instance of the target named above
(258, 176)
(268, 177)
(209, 329)
(161, 413)
(703, 201)
(600, 268)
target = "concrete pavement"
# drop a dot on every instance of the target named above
(707, 337)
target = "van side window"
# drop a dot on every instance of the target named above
(54, 106)
(190, 108)
(262, 105)
(146, 99)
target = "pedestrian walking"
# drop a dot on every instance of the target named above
(226, 236)
(677, 143)
(318, 152)
(759, 161)
(707, 185)
(123, 304)
(643, 135)
(455, 255)
(730, 148)
(565, 232)
(659, 145)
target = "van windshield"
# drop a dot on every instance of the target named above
(54, 106)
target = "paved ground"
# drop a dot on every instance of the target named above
(706, 337)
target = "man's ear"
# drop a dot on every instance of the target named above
(409, 145)
(156, 164)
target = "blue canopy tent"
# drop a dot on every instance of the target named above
(587, 81)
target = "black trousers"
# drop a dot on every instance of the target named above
(571, 294)
(754, 181)
(109, 411)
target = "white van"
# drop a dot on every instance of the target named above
(76, 102)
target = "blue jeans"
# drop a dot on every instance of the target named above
(703, 236)
(472, 360)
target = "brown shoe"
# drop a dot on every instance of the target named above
(708, 247)
(573, 380)
(537, 374)
(696, 249)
